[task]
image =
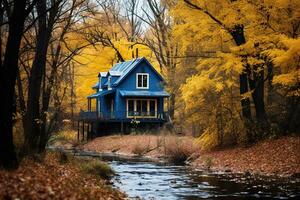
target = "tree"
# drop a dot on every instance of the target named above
(52, 51)
(160, 40)
(8, 74)
(242, 44)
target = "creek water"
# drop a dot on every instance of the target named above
(149, 180)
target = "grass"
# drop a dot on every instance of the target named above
(141, 147)
(98, 168)
(62, 137)
(208, 162)
(177, 151)
(89, 166)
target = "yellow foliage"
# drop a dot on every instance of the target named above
(208, 140)
(286, 58)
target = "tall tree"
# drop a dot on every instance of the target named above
(237, 33)
(32, 117)
(8, 75)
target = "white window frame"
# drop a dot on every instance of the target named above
(135, 110)
(137, 80)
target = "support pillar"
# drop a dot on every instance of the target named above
(82, 131)
(78, 130)
(88, 132)
(122, 128)
(91, 133)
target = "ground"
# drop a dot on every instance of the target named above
(51, 179)
(154, 146)
(278, 157)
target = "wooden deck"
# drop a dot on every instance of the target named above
(93, 116)
(87, 121)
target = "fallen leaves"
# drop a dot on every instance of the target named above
(280, 157)
(52, 180)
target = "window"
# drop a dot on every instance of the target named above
(142, 80)
(152, 107)
(141, 108)
(130, 107)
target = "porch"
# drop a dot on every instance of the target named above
(95, 116)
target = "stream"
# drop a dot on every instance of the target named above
(148, 180)
(141, 178)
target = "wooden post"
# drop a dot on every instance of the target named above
(122, 127)
(78, 130)
(89, 104)
(88, 132)
(91, 136)
(82, 131)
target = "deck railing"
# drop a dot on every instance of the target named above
(94, 115)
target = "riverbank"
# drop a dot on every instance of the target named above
(279, 157)
(54, 178)
(272, 157)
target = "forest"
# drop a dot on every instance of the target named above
(232, 67)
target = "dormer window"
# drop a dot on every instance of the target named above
(109, 83)
(142, 81)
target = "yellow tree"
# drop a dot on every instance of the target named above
(245, 31)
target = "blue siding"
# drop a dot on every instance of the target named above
(103, 81)
(129, 84)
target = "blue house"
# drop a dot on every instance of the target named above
(130, 92)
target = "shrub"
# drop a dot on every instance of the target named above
(63, 158)
(64, 136)
(141, 146)
(140, 149)
(208, 162)
(96, 167)
(178, 152)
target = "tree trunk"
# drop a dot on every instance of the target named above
(257, 85)
(32, 118)
(47, 90)
(8, 74)
(238, 35)
(172, 105)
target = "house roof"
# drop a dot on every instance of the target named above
(115, 73)
(101, 93)
(122, 69)
(127, 93)
(102, 74)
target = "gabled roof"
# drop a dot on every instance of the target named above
(115, 73)
(102, 74)
(122, 69)
(128, 93)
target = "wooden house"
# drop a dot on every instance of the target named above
(130, 94)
